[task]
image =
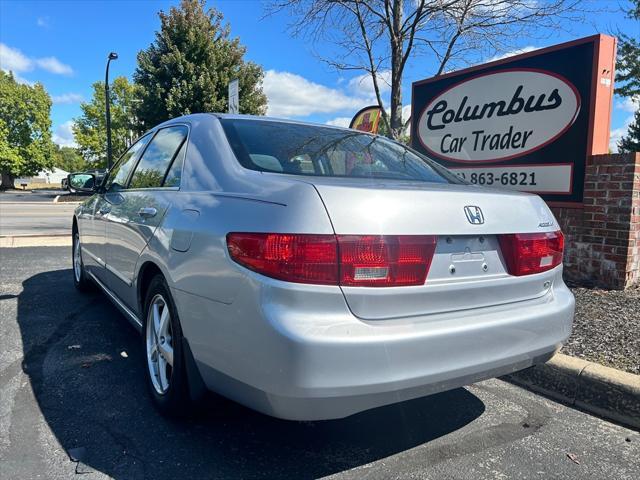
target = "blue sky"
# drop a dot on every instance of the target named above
(64, 45)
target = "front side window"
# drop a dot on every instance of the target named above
(158, 157)
(322, 151)
(120, 172)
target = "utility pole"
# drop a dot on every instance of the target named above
(112, 56)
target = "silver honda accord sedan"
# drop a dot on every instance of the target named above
(311, 272)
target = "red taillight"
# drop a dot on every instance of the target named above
(294, 258)
(385, 261)
(349, 260)
(528, 253)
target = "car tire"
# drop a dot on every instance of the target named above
(80, 278)
(163, 351)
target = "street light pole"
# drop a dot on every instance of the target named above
(112, 56)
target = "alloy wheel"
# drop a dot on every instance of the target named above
(159, 343)
(77, 259)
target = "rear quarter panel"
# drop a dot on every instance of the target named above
(192, 238)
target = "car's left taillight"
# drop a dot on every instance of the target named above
(296, 258)
(347, 260)
(529, 253)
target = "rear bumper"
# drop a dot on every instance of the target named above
(297, 352)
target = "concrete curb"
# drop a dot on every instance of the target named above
(605, 391)
(36, 241)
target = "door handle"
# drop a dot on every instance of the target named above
(104, 209)
(147, 212)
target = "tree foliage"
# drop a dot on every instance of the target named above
(69, 160)
(90, 130)
(628, 62)
(147, 178)
(628, 79)
(188, 67)
(25, 129)
(380, 37)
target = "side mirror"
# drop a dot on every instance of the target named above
(82, 182)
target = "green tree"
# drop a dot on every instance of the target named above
(25, 129)
(69, 160)
(631, 142)
(628, 62)
(628, 79)
(147, 178)
(90, 130)
(188, 67)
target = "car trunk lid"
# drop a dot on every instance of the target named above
(468, 268)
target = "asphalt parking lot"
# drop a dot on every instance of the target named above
(34, 213)
(72, 403)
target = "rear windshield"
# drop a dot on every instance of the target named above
(321, 151)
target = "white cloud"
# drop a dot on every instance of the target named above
(617, 133)
(63, 135)
(43, 22)
(518, 51)
(362, 85)
(291, 95)
(53, 65)
(340, 122)
(12, 59)
(22, 80)
(67, 98)
(615, 136)
(628, 104)
(406, 112)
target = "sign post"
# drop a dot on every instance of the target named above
(234, 97)
(526, 123)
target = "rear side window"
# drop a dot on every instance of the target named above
(281, 147)
(158, 158)
(120, 172)
(174, 175)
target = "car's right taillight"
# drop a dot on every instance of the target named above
(529, 253)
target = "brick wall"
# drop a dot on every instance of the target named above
(603, 237)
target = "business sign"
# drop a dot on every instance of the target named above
(234, 97)
(367, 119)
(524, 123)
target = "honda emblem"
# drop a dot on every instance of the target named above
(474, 215)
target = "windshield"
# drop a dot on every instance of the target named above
(329, 152)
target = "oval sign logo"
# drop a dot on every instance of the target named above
(498, 116)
